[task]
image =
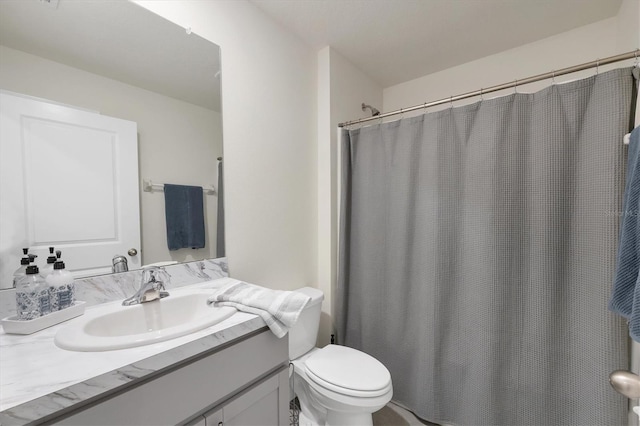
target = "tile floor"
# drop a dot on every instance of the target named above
(394, 415)
(391, 415)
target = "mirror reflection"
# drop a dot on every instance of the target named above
(64, 181)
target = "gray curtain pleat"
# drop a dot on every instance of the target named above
(477, 254)
(220, 246)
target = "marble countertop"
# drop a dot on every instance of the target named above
(39, 380)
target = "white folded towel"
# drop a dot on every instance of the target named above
(279, 309)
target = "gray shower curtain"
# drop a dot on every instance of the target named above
(477, 252)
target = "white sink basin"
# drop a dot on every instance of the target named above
(117, 327)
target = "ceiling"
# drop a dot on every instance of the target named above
(393, 41)
(118, 40)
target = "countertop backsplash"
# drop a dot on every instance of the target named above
(107, 288)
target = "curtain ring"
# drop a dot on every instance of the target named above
(481, 97)
(451, 101)
(515, 87)
(597, 66)
(425, 107)
(635, 55)
(553, 77)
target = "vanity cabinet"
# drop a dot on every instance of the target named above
(242, 383)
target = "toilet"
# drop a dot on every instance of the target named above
(335, 385)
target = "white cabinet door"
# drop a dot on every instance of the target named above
(69, 179)
(214, 418)
(265, 404)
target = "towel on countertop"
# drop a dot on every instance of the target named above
(625, 297)
(183, 208)
(279, 309)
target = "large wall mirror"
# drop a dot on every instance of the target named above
(117, 60)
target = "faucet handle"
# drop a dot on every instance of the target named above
(163, 276)
(151, 287)
(156, 275)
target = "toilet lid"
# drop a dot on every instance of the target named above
(348, 369)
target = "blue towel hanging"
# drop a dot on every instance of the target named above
(183, 207)
(625, 297)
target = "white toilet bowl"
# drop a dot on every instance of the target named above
(335, 385)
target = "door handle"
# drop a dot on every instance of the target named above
(132, 252)
(626, 383)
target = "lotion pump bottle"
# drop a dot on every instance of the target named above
(32, 295)
(48, 268)
(61, 286)
(22, 270)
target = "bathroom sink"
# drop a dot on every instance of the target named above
(117, 327)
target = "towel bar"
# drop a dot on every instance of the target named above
(149, 186)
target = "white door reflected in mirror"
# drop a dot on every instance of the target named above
(68, 179)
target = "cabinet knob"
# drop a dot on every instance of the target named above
(132, 252)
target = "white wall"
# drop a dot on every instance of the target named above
(342, 88)
(628, 24)
(270, 135)
(178, 142)
(584, 44)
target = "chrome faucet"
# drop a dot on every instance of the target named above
(151, 287)
(119, 264)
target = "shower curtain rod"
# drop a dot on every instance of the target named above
(516, 83)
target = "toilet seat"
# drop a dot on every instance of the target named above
(348, 371)
(346, 391)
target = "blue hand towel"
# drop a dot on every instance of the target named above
(183, 208)
(625, 297)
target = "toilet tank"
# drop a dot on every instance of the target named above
(303, 335)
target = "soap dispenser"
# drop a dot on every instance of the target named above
(22, 270)
(32, 295)
(61, 285)
(48, 268)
